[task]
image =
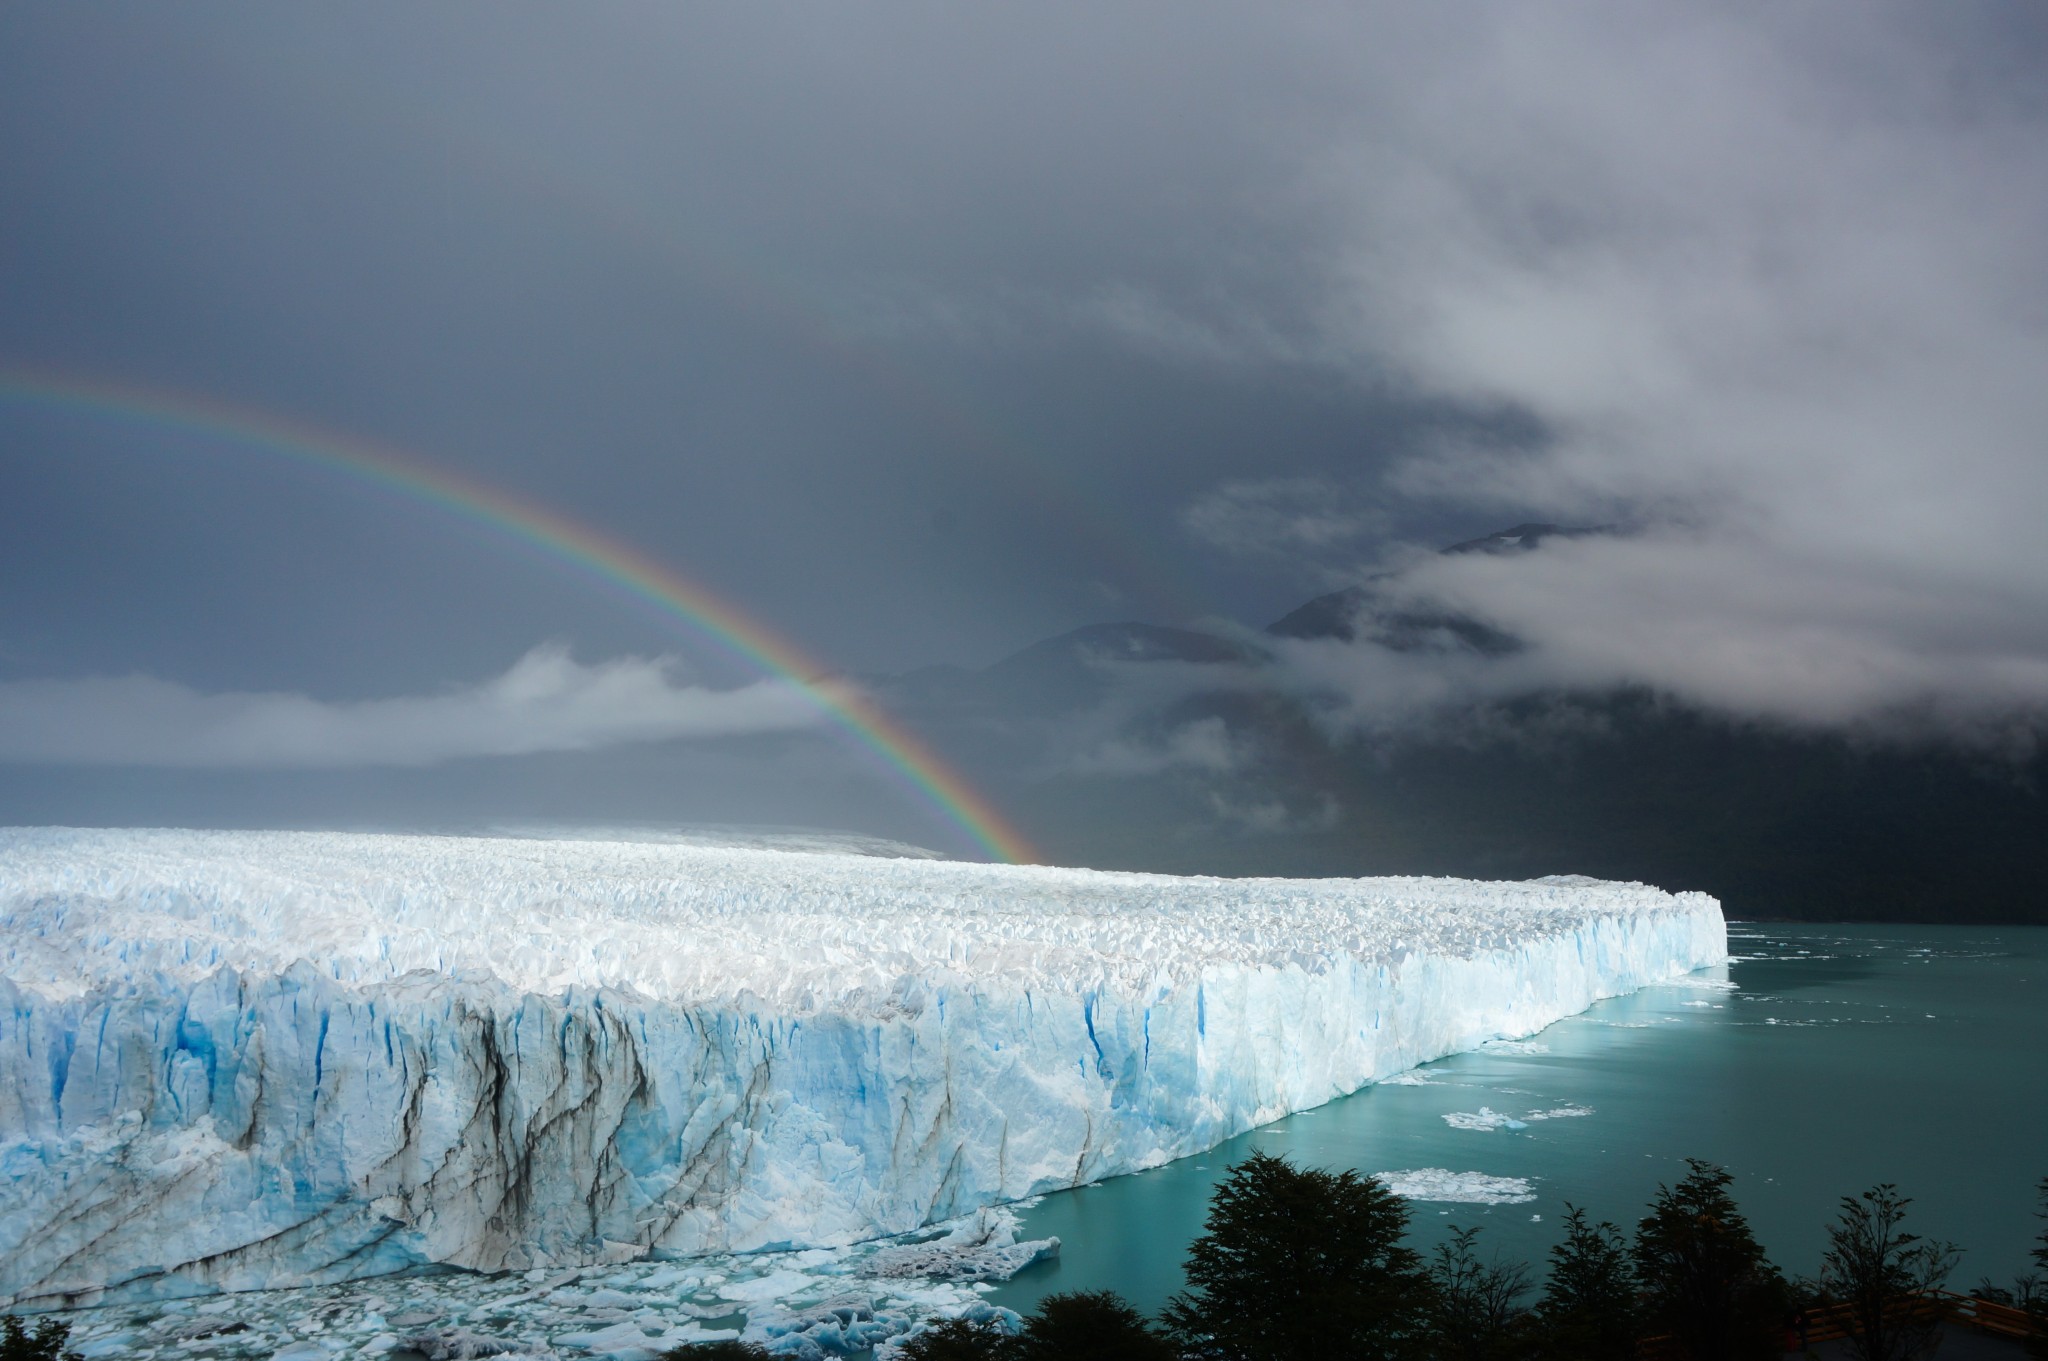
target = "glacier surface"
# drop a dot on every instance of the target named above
(238, 1060)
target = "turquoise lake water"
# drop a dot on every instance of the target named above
(1823, 1060)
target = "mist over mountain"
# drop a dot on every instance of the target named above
(1133, 745)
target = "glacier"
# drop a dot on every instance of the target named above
(251, 1060)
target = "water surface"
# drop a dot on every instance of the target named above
(1823, 1060)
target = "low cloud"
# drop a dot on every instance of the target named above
(1271, 816)
(1204, 745)
(1761, 629)
(546, 702)
(1288, 517)
(1749, 634)
(1764, 283)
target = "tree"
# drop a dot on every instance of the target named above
(2037, 1299)
(1299, 1265)
(1589, 1310)
(958, 1339)
(2040, 1253)
(1704, 1277)
(1474, 1307)
(1878, 1269)
(1088, 1325)
(46, 1343)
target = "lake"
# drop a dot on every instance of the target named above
(1821, 1061)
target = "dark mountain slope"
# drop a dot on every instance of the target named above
(1362, 613)
(1777, 823)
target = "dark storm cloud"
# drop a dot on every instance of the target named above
(1773, 287)
(1764, 285)
(923, 332)
(1302, 518)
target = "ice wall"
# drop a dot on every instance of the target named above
(245, 1060)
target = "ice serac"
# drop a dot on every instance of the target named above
(243, 1060)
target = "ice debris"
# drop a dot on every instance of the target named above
(1467, 1188)
(810, 1304)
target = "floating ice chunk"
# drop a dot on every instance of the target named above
(1005, 1320)
(1560, 1113)
(669, 1278)
(457, 1344)
(121, 1344)
(296, 1351)
(1485, 1118)
(983, 1247)
(690, 1334)
(775, 1286)
(939, 1262)
(1468, 1188)
(620, 1337)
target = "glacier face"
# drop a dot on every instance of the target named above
(250, 1060)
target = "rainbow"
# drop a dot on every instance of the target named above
(560, 539)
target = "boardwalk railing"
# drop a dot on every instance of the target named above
(1838, 1321)
(1986, 1316)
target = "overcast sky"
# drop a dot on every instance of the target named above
(921, 332)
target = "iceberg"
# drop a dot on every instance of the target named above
(241, 1060)
(1466, 1188)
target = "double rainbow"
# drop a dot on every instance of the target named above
(562, 540)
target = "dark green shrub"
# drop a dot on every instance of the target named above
(1088, 1325)
(1704, 1277)
(1874, 1266)
(1474, 1308)
(958, 1339)
(1299, 1265)
(2037, 1299)
(1588, 1311)
(46, 1343)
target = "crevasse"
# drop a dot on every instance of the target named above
(251, 1060)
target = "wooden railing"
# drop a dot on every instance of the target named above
(1837, 1320)
(1986, 1316)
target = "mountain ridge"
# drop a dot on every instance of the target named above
(1219, 772)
